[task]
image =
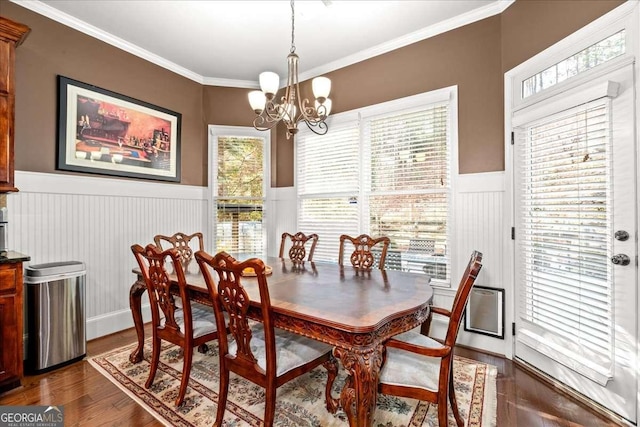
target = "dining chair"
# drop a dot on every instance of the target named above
(362, 256)
(183, 243)
(297, 251)
(180, 324)
(418, 367)
(259, 352)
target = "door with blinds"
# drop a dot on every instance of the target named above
(576, 238)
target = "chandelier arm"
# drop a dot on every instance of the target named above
(260, 123)
(269, 117)
(273, 111)
(322, 127)
(307, 112)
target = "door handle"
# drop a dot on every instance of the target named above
(621, 235)
(620, 259)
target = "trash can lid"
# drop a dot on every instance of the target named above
(53, 268)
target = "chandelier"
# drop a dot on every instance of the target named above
(292, 108)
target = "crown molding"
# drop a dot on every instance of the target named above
(90, 30)
(492, 9)
(246, 84)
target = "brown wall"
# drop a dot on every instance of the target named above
(230, 107)
(468, 57)
(530, 26)
(51, 49)
(473, 57)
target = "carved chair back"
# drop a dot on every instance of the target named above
(229, 296)
(184, 245)
(462, 297)
(362, 257)
(252, 353)
(172, 320)
(297, 251)
(152, 262)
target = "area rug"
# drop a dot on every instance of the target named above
(300, 403)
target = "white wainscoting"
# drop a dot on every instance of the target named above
(58, 217)
(282, 214)
(478, 224)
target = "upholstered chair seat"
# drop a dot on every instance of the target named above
(203, 321)
(401, 366)
(292, 350)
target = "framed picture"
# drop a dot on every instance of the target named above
(103, 132)
(484, 313)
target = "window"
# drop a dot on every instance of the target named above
(383, 170)
(588, 58)
(238, 172)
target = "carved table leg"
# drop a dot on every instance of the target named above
(331, 366)
(135, 303)
(358, 397)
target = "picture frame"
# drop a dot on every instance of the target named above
(484, 313)
(103, 132)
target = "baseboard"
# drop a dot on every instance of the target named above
(572, 394)
(481, 350)
(116, 321)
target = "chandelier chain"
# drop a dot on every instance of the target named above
(293, 27)
(291, 108)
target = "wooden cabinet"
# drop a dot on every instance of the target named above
(11, 330)
(11, 35)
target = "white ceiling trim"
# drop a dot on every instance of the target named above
(76, 24)
(427, 32)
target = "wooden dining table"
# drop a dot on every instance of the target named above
(355, 311)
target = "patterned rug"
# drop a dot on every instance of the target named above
(300, 403)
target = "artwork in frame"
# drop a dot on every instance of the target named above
(484, 313)
(103, 132)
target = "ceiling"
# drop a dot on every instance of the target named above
(230, 42)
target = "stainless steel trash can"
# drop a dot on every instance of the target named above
(55, 315)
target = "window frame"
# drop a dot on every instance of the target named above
(617, 20)
(216, 131)
(447, 95)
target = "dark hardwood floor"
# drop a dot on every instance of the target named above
(526, 401)
(89, 399)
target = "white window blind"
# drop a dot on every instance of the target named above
(328, 186)
(239, 195)
(408, 185)
(383, 172)
(566, 214)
